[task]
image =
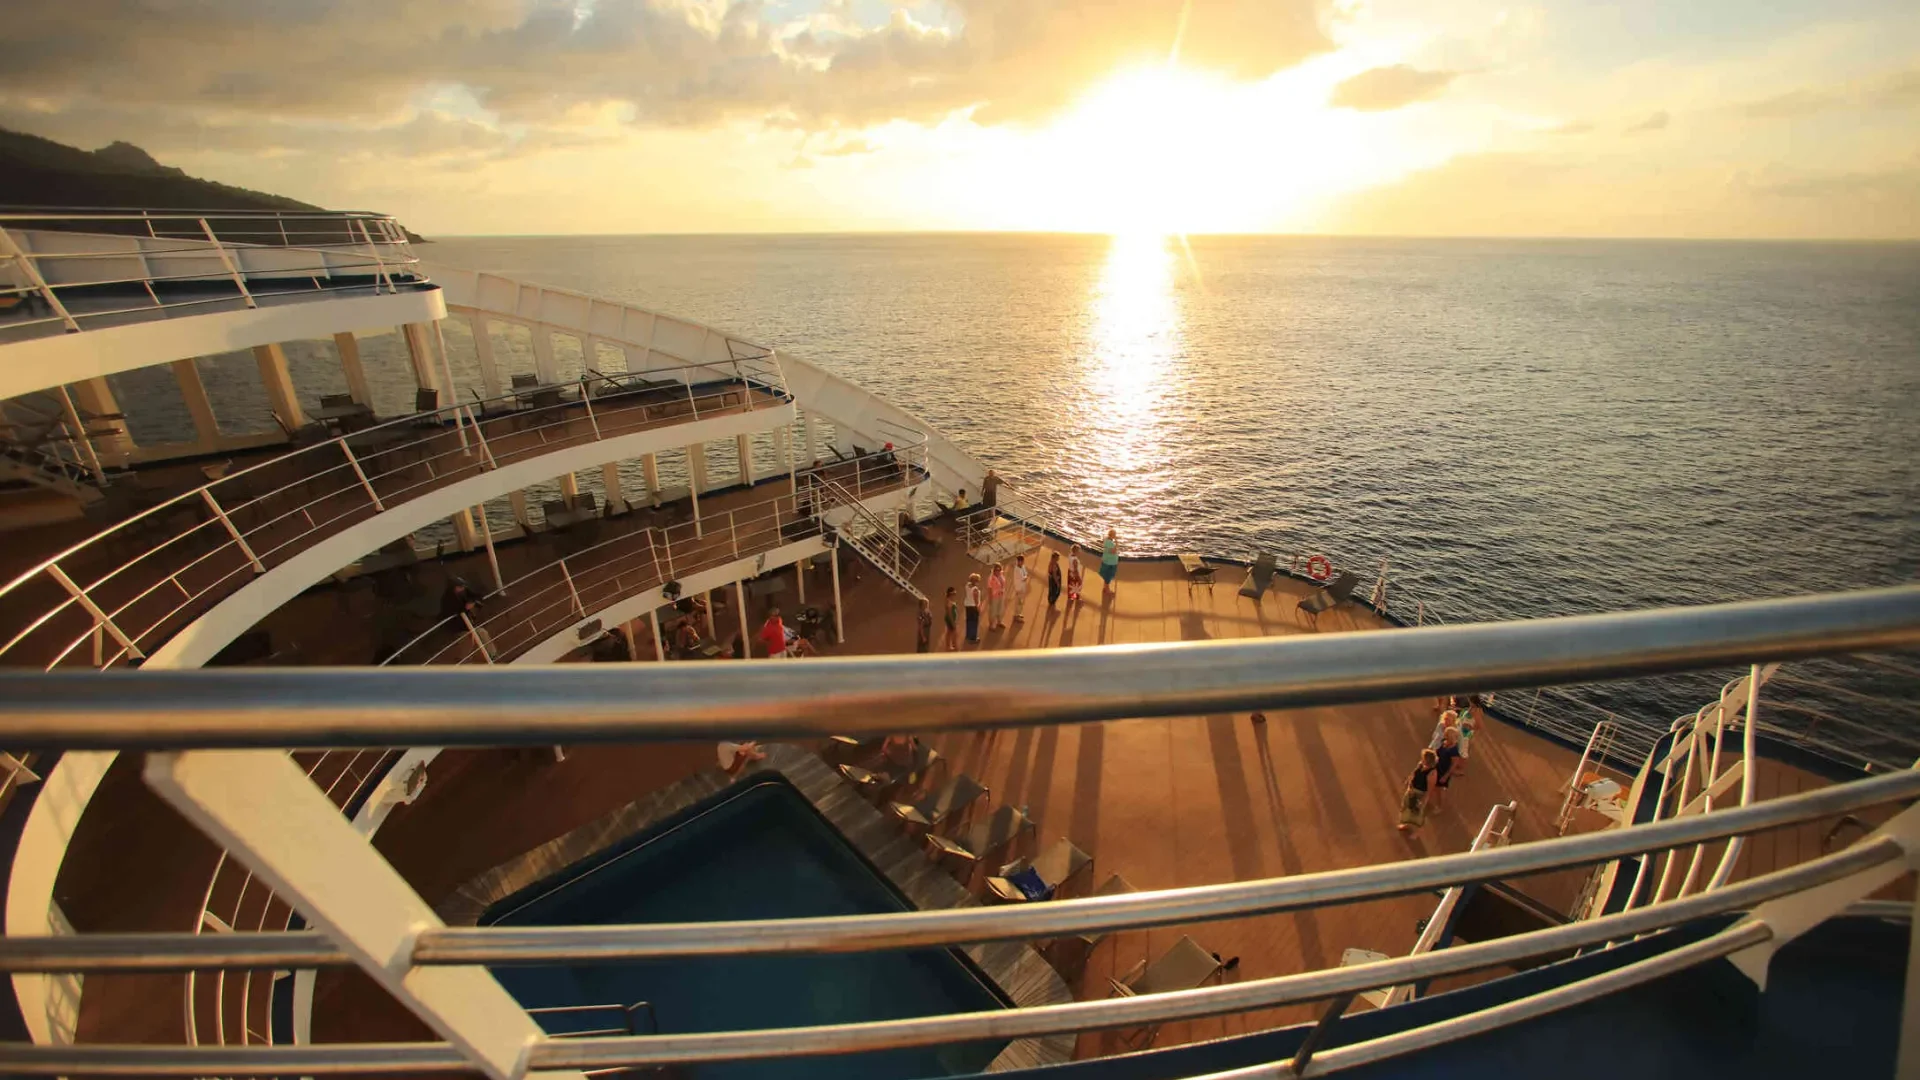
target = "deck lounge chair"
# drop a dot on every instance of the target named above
(1259, 576)
(1113, 886)
(1050, 870)
(883, 778)
(1333, 594)
(1185, 966)
(982, 838)
(952, 801)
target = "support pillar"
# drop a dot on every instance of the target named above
(839, 621)
(493, 558)
(260, 806)
(800, 580)
(786, 449)
(419, 339)
(659, 647)
(569, 487)
(743, 445)
(814, 451)
(543, 364)
(610, 479)
(697, 467)
(193, 391)
(279, 383)
(483, 350)
(650, 474)
(746, 634)
(518, 498)
(463, 530)
(348, 347)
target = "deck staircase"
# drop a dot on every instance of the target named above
(871, 535)
(38, 446)
(1017, 523)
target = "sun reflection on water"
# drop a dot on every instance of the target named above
(1137, 343)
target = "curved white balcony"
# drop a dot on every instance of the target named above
(90, 294)
(242, 545)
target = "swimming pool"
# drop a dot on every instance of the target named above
(754, 851)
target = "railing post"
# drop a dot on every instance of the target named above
(362, 474)
(839, 622)
(1303, 1057)
(586, 398)
(32, 272)
(478, 641)
(379, 266)
(493, 560)
(99, 617)
(571, 591)
(481, 437)
(212, 504)
(733, 534)
(226, 260)
(446, 368)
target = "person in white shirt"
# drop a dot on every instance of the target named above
(1021, 580)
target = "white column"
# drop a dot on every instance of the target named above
(193, 391)
(260, 806)
(543, 354)
(650, 472)
(96, 398)
(279, 383)
(659, 647)
(486, 538)
(483, 349)
(518, 498)
(420, 353)
(697, 467)
(463, 531)
(839, 621)
(800, 581)
(746, 633)
(610, 479)
(786, 448)
(348, 347)
(814, 452)
(569, 487)
(743, 446)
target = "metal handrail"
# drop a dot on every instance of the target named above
(653, 555)
(918, 929)
(347, 477)
(1213, 1000)
(336, 250)
(840, 695)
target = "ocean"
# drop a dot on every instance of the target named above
(1522, 427)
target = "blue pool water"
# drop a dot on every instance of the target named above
(752, 852)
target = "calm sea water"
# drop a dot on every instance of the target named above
(1523, 427)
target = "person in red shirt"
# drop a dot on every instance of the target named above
(773, 633)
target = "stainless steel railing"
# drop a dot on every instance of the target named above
(72, 270)
(227, 708)
(200, 545)
(546, 601)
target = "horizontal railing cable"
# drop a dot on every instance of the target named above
(474, 945)
(322, 707)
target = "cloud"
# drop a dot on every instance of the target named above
(1898, 91)
(1897, 182)
(663, 62)
(1657, 122)
(1790, 104)
(1386, 88)
(1572, 127)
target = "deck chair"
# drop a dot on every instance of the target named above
(1333, 594)
(1041, 877)
(1185, 966)
(426, 408)
(1113, 886)
(1259, 576)
(884, 779)
(982, 838)
(952, 801)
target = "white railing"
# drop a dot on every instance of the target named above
(1495, 831)
(202, 544)
(342, 790)
(72, 270)
(547, 601)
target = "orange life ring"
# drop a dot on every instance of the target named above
(1319, 568)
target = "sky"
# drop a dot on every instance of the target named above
(1704, 118)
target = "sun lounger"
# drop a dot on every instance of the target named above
(982, 838)
(1113, 886)
(952, 801)
(1041, 877)
(1334, 593)
(1185, 966)
(1198, 571)
(885, 778)
(1259, 576)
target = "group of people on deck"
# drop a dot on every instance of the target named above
(1003, 595)
(1443, 760)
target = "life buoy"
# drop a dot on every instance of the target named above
(1319, 568)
